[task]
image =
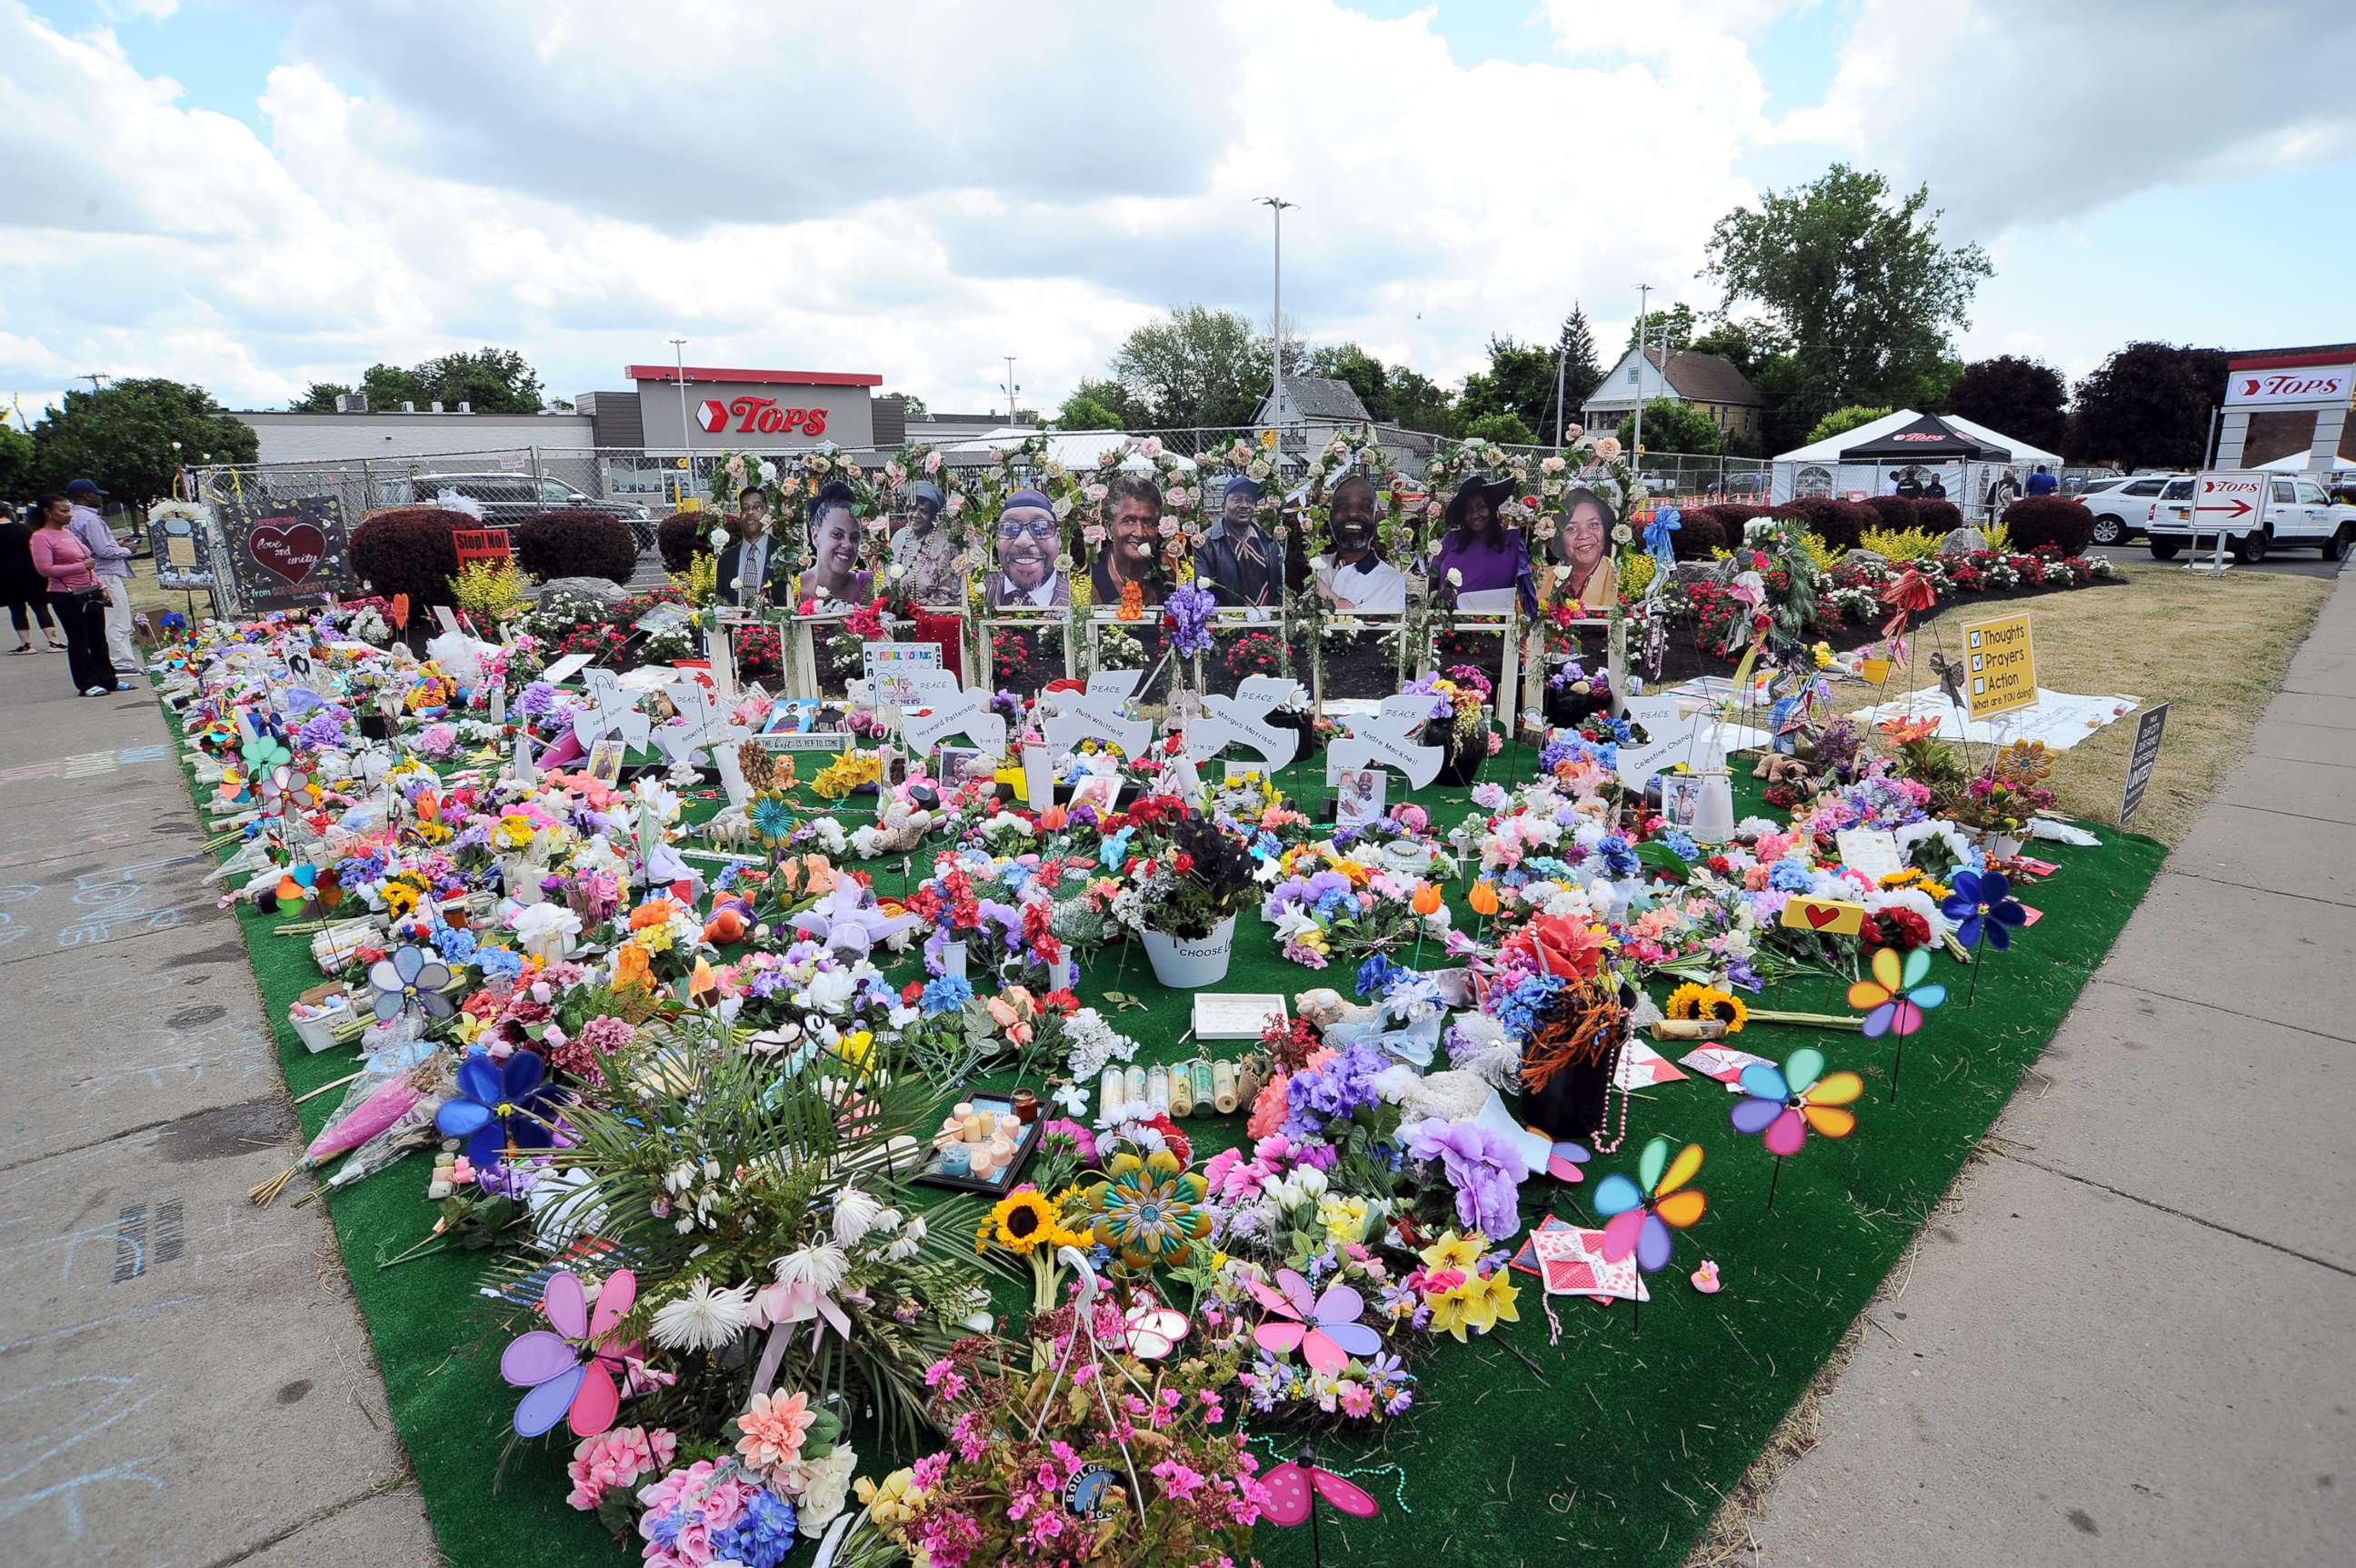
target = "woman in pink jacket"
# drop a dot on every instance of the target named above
(75, 594)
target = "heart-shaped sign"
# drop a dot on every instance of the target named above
(288, 551)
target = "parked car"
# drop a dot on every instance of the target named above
(507, 498)
(2121, 503)
(2253, 509)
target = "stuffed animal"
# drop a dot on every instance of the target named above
(1324, 1008)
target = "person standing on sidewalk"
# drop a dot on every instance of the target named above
(25, 592)
(75, 593)
(112, 562)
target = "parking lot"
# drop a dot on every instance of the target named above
(2298, 562)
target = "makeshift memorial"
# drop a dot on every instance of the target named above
(1782, 1104)
(1897, 997)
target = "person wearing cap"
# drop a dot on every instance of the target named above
(1241, 561)
(61, 558)
(1477, 552)
(112, 563)
(1354, 575)
(1025, 536)
(923, 555)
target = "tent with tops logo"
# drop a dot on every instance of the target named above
(1873, 458)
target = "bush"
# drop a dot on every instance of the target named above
(1699, 532)
(1938, 517)
(683, 535)
(576, 543)
(1914, 545)
(1898, 513)
(407, 550)
(1838, 523)
(2036, 522)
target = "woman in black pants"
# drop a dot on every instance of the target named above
(21, 588)
(77, 597)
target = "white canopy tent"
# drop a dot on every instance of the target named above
(1076, 449)
(1818, 468)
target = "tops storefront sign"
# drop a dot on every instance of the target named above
(773, 410)
(2311, 385)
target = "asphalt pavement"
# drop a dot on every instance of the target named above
(2301, 563)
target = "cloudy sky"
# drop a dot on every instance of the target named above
(259, 194)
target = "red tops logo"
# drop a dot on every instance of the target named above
(758, 416)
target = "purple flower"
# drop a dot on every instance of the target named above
(1187, 613)
(1482, 1164)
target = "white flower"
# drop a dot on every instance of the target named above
(768, 473)
(1455, 578)
(824, 1490)
(911, 1241)
(704, 1318)
(821, 1265)
(832, 989)
(718, 537)
(856, 1213)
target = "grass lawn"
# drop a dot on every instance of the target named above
(1616, 1446)
(2216, 648)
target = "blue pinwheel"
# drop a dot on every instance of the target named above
(501, 1109)
(1983, 905)
(411, 977)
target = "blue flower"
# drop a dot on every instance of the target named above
(947, 994)
(1791, 875)
(1374, 975)
(1681, 846)
(498, 963)
(1114, 851)
(1618, 858)
(455, 943)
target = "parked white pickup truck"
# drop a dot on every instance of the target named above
(2255, 509)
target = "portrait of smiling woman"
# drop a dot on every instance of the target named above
(834, 576)
(1582, 547)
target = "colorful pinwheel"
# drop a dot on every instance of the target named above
(1896, 993)
(1154, 1330)
(500, 1109)
(1983, 905)
(550, 1364)
(1326, 1331)
(1564, 1159)
(1638, 1215)
(263, 752)
(411, 977)
(1786, 1103)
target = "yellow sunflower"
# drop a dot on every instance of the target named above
(1022, 1221)
(1708, 1001)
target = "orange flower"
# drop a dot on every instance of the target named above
(1054, 819)
(774, 1430)
(1426, 900)
(1906, 732)
(1483, 897)
(702, 986)
(653, 912)
(632, 968)
(724, 926)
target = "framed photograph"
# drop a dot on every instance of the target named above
(986, 1151)
(1358, 797)
(1098, 791)
(605, 760)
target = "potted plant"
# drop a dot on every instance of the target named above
(1186, 877)
(1460, 721)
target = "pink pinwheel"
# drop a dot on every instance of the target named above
(1783, 1104)
(550, 1364)
(1327, 1331)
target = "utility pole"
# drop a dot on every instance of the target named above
(686, 431)
(1276, 206)
(1011, 388)
(1643, 321)
(1561, 413)
(93, 378)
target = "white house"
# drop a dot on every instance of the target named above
(1708, 383)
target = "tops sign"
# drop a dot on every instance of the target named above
(2325, 385)
(757, 417)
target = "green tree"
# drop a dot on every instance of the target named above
(1582, 372)
(1863, 290)
(490, 380)
(1081, 411)
(1110, 394)
(1673, 328)
(320, 398)
(1671, 425)
(121, 436)
(17, 460)
(1519, 382)
(1419, 403)
(1748, 345)
(1196, 367)
(1506, 429)
(2012, 396)
(387, 386)
(2148, 406)
(912, 405)
(1842, 419)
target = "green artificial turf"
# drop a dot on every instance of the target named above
(1616, 1451)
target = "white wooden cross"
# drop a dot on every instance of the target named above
(1388, 738)
(1097, 714)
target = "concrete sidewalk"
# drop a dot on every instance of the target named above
(184, 1380)
(2130, 1337)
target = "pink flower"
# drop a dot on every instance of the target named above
(774, 1430)
(1357, 1401)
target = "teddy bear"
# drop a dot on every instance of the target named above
(1325, 1007)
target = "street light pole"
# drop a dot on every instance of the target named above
(1276, 206)
(1010, 389)
(1643, 320)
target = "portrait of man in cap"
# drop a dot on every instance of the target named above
(1022, 573)
(1241, 563)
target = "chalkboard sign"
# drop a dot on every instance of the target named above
(2142, 761)
(286, 553)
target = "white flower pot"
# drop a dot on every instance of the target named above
(2002, 846)
(521, 882)
(549, 947)
(1187, 963)
(953, 959)
(1063, 974)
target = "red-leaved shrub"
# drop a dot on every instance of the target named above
(1897, 512)
(1838, 523)
(407, 550)
(1941, 518)
(2043, 521)
(576, 542)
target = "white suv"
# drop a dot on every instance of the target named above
(2121, 504)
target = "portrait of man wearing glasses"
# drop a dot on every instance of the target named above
(1026, 576)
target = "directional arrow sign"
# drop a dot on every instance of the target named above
(1390, 737)
(2236, 509)
(609, 711)
(1242, 720)
(1097, 714)
(935, 707)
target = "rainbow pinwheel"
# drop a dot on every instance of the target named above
(1786, 1103)
(550, 1364)
(1896, 993)
(263, 752)
(1638, 1215)
(1983, 905)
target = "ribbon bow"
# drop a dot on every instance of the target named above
(1666, 521)
(1910, 593)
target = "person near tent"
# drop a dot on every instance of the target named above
(2042, 482)
(2002, 491)
(1910, 485)
(1937, 490)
